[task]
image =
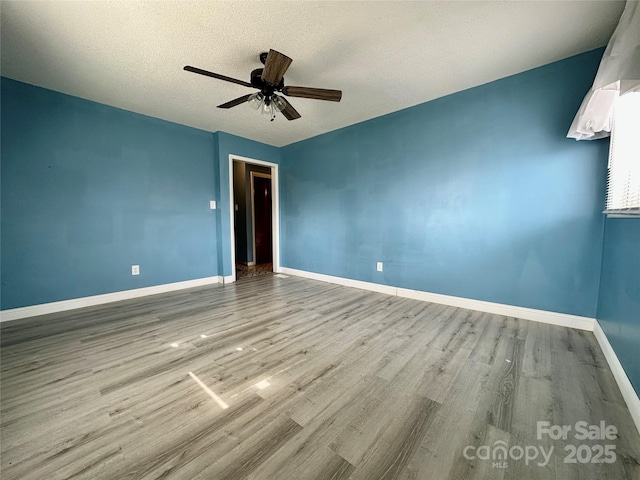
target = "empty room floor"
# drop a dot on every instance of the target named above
(288, 378)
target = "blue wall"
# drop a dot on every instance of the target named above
(619, 301)
(88, 190)
(477, 194)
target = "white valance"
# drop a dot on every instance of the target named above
(619, 73)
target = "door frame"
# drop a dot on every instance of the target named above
(253, 175)
(275, 211)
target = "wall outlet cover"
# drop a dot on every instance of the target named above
(212, 204)
(135, 269)
(379, 266)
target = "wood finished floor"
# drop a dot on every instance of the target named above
(358, 385)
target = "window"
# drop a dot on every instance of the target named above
(623, 185)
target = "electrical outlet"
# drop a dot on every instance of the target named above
(212, 204)
(379, 266)
(135, 269)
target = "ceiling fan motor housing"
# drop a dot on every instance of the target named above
(267, 89)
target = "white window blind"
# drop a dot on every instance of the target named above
(623, 186)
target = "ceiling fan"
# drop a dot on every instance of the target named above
(270, 80)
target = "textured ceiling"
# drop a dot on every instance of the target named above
(384, 56)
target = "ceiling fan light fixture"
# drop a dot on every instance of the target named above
(278, 103)
(256, 100)
(268, 109)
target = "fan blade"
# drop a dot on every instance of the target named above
(315, 93)
(275, 67)
(235, 102)
(218, 76)
(289, 112)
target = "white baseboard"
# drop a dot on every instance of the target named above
(626, 388)
(54, 307)
(553, 318)
(347, 282)
(227, 279)
(544, 316)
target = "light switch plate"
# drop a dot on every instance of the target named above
(212, 204)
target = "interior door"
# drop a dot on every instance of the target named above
(262, 219)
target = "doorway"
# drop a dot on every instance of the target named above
(261, 216)
(254, 217)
